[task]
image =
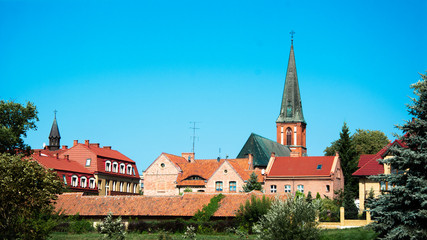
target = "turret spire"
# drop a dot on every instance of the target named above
(54, 136)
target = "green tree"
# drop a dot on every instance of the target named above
(348, 157)
(15, 121)
(112, 229)
(27, 190)
(364, 142)
(293, 218)
(401, 212)
(249, 213)
(252, 184)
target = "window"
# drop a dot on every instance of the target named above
(142, 185)
(134, 188)
(83, 182)
(383, 186)
(300, 188)
(121, 186)
(129, 169)
(218, 186)
(107, 166)
(128, 188)
(319, 166)
(288, 136)
(122, 168)
(99, 184)
(287, 188)
(115, 167)
(328, 188)
(74, 181)
(114, 186)
(273, 188)
(65, 179)
(232, 186)
(92, 183)
(162, 165)
(88, 162)
(133, 171)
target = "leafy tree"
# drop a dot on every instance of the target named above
(112, 229)
(27, 189)
(363, 141)
(401, 212)
(293, 218)
(249, 213)
(252, 184)
(15, 121)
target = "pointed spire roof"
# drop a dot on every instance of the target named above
(291, 109)
(54, 131)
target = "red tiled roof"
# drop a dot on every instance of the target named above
(108, 153)
(191, 183)
(302, 166)
(175, 159)
(59, 163)
(185, 205)
(364, 159)
(202, 168)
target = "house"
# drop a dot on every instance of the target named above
(171, 175)
(368, 166)
(321, 175)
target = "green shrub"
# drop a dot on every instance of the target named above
(112, 229)
(80, 226)
(330, 211)
(208, 211)
(250, 213)
(293, 218)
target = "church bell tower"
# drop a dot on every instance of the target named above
(290, 125)
(54, 136)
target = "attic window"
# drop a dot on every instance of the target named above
(319, 166)
(225, 171)
(162, 165)
(88, 162)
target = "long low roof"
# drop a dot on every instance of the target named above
(154, 206)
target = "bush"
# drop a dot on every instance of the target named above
(112, 229)
(250, 213)
(330, 211)
(208, 211)
(293, 218)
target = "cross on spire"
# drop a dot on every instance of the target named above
(55, 112)
(292, 36)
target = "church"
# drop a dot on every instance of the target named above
(282, 166)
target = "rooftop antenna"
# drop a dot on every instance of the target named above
(292, 36)
(194, 132)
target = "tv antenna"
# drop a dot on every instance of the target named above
(194, 132)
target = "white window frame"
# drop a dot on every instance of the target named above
(121, 186)
(219, 186)
(74, 181)
(122, 168)
(134, 188)
(83, 182)
(128, 188)
(88, 162)
(234, 187)
(288, 188)
(273, 188)
(114, 186)
(92, 183)
(115, 167)
(129, 169)
(300, 188)
(108, 166)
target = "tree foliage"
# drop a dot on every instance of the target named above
(249, 213)
(293, 218)
(15, 121)
(208, 210)
(363, 141)
(27, 190)
(112, 229)
(252, 183)
(401, 212)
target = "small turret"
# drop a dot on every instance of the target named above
(54, 136)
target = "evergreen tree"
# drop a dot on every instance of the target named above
(252, 183)
(348, 157)
(401, 212)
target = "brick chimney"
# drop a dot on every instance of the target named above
(94, 145)
(250, 161)
(188, 156)
(64, 147)
(295, 154)
(75, 142)
(56, 155)
(107, 147)
(67, 157)
(87, 143)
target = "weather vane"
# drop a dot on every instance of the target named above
(292, 36)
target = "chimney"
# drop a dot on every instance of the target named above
(106, 147)
(64, 147)
(218, 159)
(87, 143)
(39, 153)
(295, 154)
(95, 145)
(250, 161)
(188, 156)
(273, 154)
(67, 157)
(55, 155)
(75, 142)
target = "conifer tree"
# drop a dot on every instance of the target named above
(401, 212)
(252, 183)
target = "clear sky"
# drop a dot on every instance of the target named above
(134, 74)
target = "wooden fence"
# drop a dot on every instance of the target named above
(346, 223)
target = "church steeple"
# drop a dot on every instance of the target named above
(54, 136)
(291, 124)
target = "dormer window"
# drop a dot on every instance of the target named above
(115, 167)
(83, 182)
(107, 166)
(194, 178)
(129, 169)
(92, 183)
(319, 166)
(74, 181)
(122, 168)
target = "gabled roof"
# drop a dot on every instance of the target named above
(302, 166)
(144, 206)
(57, 164)
(106, 152)
(261, 149)
(368, 163)
(202, 168)
(175, 159)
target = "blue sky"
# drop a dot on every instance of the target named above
(134, 74)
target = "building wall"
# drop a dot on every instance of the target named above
(298, 131)
(226, 174)
(79, 154)
(365, 186)
(313, 185)
(160, 178)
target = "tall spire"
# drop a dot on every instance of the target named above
(291, 109)
(54, 136)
